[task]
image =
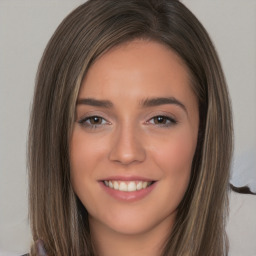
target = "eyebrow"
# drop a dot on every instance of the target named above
(95, 103)
(152, 102)
(148, 102)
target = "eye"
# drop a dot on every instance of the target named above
(162, 121)
(93, 121)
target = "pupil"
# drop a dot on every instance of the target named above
(160, 119)
(95, 120)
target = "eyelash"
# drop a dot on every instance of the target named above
(170, 121)
(84, 122)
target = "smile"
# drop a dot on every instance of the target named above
(128, 186)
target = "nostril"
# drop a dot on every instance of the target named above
(127, 147)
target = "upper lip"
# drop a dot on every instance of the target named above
(127, 178)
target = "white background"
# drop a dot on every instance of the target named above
(25, 28)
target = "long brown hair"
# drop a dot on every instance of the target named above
(56, 214)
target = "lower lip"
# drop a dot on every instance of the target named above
(128, 196)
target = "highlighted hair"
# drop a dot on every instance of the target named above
(56, 214)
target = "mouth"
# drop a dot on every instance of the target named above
(127, 186)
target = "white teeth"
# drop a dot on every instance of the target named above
(139, 185)
(144, 184)
(116, 185)
(110, 184)
(127, 185)
(131, 186)
(122, 186)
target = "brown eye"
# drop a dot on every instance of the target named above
(95, 120)
(160, 120)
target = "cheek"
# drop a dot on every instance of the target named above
(174, 157)
(82, 160)
(78, 153)
(85, 152)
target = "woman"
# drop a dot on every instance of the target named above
(130, 135)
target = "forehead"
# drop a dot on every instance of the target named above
(136, 67)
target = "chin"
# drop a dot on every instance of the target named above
(133, 222)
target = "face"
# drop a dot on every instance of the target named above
(134, 138)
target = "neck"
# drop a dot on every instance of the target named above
(109, 242)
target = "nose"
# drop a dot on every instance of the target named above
(127, 146)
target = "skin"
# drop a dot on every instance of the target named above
(128, 140)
